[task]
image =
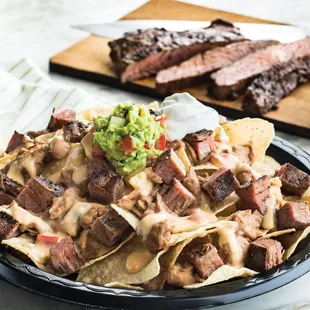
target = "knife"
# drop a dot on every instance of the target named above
(282, 33)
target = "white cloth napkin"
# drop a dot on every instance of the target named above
(27, 98)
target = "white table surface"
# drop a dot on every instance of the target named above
(38, 29)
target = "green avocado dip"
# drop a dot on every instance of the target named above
(128, 136)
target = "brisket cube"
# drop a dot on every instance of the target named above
(74, 131)
(204, 257)
(293, 180)
(9, 228)
(245, 153)
(16, 141)
(178, 199)
(264, 254)
(220, 184)
(293, 215)
(109, 228)
(9, 186)
(253, 196)
(66, 256)
(202, 142)
(38, 194)
(106, 186)
(158, 237)
(248, 223)
(169, 166)
(5, 199)
(60, 117)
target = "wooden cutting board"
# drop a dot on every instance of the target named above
(89, 60)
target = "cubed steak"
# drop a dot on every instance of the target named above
(38, 194)
(178, 198)
(202, 142)
(254, 195)
(60, 117)
(109, 228)
(143, 53)
(169, 166)
(293, 180)
(220, 184)
(248, 223)
(233, 80)
(106, 186)
(245, 153)
(66, 256)
(9, 228)
(293, 215)
(204, 257)
(264, 254)
(74, 131)
(271, 86)
(197, 69)
(16, 141)
(9, 186)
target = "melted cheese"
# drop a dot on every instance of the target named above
(137, 260)
(269, 219)
(70, 222)
(142, 182)
(15, 174)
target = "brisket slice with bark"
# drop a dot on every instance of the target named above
(16, 141)
(276, 83)
(143, 53)
(196, 69)
(9, 228)
(233, 80)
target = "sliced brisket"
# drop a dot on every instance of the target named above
(278, 82)
(16, 141)
(233, 80)
(60, 117)
(293, 180)
(66, 256)
(293, 215)
(196, 69)
(169, 166)
(74, 131)
(204, 257)
(178, 199)
(264, 254)
(8, 227)
(220, 184)
(38, 194)
(106, 186)
(202, 142)
(145, 52)
(253, 196)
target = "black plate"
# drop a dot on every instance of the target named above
(32, 279)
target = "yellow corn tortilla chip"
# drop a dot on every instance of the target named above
(224, 273)
(125, 286)
(244, 130)
(306, 196)
(113, 267)
(132, 220)
(208, 167)
(289, 251)
(277, 233)
(26, 245)
(229, 201)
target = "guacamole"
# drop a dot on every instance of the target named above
(128, 136)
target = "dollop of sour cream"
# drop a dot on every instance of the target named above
(185, 114)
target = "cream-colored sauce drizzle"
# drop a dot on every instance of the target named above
(15, 174)
(269, 219)
(137, 260)
(80, 174)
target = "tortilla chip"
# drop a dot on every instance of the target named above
(26, 245)
(207, 167)
(224, 273)
(306, 196)
(302, 235)
(228, 202)
(122, 285)
(244, 130)
(184, 158)
(113, 267)
(277, 233)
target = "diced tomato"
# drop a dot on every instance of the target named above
(146, 146)
(126, 144)
(97, 151)
(161, 143)
(47, 239)
(160, 119)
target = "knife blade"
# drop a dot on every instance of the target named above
(282, 33)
